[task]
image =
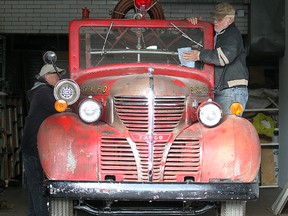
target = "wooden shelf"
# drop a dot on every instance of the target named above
(262, 110)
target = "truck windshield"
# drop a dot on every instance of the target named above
(118, 45)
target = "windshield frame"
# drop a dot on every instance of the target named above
(76, 25)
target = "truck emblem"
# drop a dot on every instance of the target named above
(155, 137)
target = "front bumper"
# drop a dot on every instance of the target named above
(133, 191)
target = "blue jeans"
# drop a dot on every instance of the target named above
(227, 96)
(35, 176)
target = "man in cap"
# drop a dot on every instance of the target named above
(42, 101)
(228, 56)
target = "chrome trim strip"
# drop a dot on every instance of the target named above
(150, 140)
(156, 52)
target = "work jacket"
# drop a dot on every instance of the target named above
(229, 58)
(42, 102)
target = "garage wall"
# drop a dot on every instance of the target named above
(283, 114)
(53, 16)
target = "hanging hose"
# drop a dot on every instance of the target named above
(123, 9)
(124, 6)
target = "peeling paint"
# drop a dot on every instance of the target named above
(108, 132)
(88, 155)
(71, 160)
(237, 169)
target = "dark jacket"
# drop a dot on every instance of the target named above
(42, 102)
(229, 55)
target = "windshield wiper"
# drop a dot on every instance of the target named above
(185, 35)
(152, 5)
(106, 38)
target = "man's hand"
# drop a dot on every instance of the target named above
(191, 55)
(194, 20)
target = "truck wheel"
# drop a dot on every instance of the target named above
(63, 207)
(232, 208)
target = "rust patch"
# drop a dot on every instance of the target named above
(71, 160)
(107, 132)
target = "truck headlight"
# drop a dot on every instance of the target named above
(67, 90)
(209, 114)
(90, 110)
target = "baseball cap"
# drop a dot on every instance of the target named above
(48, 68)
(221, 10)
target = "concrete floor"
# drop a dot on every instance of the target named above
(16, 197)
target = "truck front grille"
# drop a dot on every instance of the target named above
(182, 160)
(133, 112)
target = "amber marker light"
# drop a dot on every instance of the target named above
(60, 105)
(236, 108)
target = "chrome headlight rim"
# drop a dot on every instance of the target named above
(210, 114)
(68, 90)
(89, 110)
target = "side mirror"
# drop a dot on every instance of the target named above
(50, 57)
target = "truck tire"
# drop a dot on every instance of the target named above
(232, 208)
(63, 207)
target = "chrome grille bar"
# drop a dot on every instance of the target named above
(119, 158)
(150, 140)
(133, 112)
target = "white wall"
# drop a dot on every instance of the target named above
(283, 111)
(53, 16)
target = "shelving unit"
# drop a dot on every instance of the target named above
(269, 162)
(11, 137)
(11, 125)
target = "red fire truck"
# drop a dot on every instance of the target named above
(138, 132)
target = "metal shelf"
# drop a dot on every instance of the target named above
(262, 110)
(268, 186)
(269, 144)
